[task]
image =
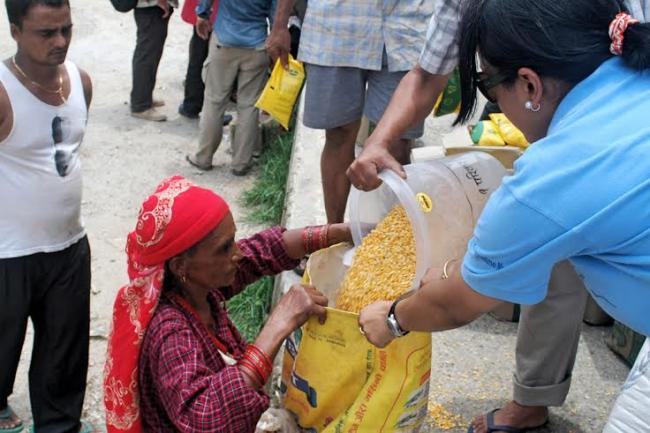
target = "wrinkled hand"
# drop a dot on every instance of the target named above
(374, 158)
(164, 5)
(203, 28)
(372, 321)
(278, 45)
(299, 303)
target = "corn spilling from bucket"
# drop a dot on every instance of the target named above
(383, 267)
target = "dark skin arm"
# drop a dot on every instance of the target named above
(278, 42)
(293, 239)
(411, 103)
(301, 302)
(6, 114)
(438, 305)
(88, 87)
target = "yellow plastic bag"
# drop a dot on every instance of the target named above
(335, 381)
(509, 132)
(486, 133)
(281, 91)
(449, 100)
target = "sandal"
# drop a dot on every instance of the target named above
(7, 414)
(194, 163)
(491, 427)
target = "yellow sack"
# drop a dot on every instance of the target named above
(509, 132)
(335, 381)
(486, 133)
(281, 91)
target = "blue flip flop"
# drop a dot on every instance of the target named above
(7, 413)
(492, 428)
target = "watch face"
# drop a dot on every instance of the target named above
(393, 326)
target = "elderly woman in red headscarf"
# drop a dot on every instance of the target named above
(175, 361)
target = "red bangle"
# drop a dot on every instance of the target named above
(315, 238)
(323, 238)
(261, 356)
(250, 372)
(303, 236)
(258, 363)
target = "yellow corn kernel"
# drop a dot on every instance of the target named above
(384, 264)
(444, 419)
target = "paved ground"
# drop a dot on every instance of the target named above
(124, 158)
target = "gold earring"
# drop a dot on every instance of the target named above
(183, 279)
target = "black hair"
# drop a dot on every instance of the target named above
(18, 9)
(566, 40)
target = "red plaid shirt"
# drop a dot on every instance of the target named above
(185, 384)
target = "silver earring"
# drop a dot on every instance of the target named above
(529, 106)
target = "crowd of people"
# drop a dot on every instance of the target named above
(571, 75)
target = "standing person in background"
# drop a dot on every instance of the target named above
(237, 54)
(194, 86)
(151, 20)
(44, 251)
(356, 53)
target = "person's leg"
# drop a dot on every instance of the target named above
(547, 343)
(61, 317)
(381, 86)
(194, 86)
(222, 67)
(337, 156)
(334, 99)
(15, 294)
(251, 78)
(151, 35)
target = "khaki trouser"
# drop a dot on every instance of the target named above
(547, 340)
(248, 66)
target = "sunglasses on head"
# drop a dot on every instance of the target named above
(61, 160)
(488, 82)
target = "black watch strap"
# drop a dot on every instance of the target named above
(393, 324)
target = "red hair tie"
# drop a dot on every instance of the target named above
(617, 30)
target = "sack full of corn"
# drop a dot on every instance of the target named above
(333, 379)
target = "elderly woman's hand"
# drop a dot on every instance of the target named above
(298, 304)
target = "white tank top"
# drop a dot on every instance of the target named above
(40, 173)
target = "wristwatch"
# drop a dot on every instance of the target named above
(205, 15)
(392, 322)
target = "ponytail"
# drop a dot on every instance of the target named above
(636, 47)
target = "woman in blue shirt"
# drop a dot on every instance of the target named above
(573, 77)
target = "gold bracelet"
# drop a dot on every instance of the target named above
(445, 274)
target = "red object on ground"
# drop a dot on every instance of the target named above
(188, 14)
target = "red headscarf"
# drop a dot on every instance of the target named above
(175, 217)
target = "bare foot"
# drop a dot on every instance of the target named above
(9, 422)
(514, 415)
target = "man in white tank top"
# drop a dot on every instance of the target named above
(44, 251)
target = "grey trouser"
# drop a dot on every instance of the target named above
(225, 65)
(547, 340)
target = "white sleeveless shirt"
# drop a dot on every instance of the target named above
(40, 173)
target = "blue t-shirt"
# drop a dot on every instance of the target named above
(241, 23)
(582, 193)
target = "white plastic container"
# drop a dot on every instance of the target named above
(443, 199)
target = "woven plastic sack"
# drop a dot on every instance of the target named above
(281, 91)
(334, 380)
